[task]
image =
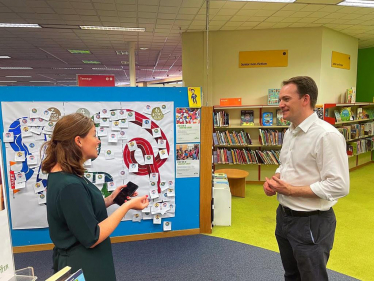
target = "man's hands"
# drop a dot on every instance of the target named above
(276, 185)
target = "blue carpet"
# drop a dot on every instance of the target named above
(197, 257)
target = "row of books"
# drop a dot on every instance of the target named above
(271, 137)
(221, 119)
(234, 138)
(347, 114)
(245, 156)
(357, 131)
(360, 146)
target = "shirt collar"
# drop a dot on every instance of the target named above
(307, 123)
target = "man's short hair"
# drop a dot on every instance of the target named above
(305, 86)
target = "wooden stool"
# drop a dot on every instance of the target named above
(236, 179)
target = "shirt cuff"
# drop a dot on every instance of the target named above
(317, 189)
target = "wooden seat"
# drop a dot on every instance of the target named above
(236, 179)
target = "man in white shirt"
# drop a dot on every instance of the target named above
(313, 174)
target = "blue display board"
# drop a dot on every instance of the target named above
(187, 189)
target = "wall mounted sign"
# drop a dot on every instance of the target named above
(340, 60)
(271, 58)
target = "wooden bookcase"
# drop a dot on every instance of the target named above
(257, 172)
(356, 160)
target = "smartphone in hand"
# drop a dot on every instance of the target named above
(129, 190)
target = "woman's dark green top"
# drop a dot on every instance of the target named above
(75, 207)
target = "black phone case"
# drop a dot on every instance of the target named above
(125, 192)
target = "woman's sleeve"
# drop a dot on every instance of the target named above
(76, 206)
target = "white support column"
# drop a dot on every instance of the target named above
(132, 64)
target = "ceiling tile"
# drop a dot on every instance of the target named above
(274, 19)
(264, 13)
(193, 3)
(227, 12)
(188, 11)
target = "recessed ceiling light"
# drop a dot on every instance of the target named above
(18, 76)
(79, 51)
(15, 67)
(40, 81)
(124, 62)
(67, 68)
(20, 25)
(8, 81)
(113, 28)
(143, 48)
(122, 52)
(4, 57)
(91, 61)
(357, 3)
(275, 1)
(103, 68)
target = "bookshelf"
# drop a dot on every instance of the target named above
(253, 148)
(358, 130)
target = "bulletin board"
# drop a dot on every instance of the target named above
(126, 151)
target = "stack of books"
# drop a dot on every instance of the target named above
(221, 119)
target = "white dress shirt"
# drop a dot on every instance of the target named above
(314, 154)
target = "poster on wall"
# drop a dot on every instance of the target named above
(188, 125)
(137, 144)
(6, 254)
(188, 160)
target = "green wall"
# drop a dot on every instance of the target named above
(365, 75)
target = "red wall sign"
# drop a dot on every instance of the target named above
(96, 80)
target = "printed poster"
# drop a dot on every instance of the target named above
(194, 97)
(188, 160)
(137, 144)
(188, 125)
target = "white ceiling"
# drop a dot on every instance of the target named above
(45, 49)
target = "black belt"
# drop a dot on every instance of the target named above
(293, 213)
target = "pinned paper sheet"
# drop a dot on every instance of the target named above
(99, 178)
(130, 116)
(156, 133)
(167, 226)
(161, 143)
(163, 154)
(152, 185)
(104, 113)
(148, 159)
(171, 192)
(154, 193)
(32, 159)
(113, 115)
(147, 109)
(25, 132)
(49, 127)
(123, 123)
(8, 137)
(113, 137)
(146, 124)
(20, 185)
(122, 135)
(137, 217)
(97, 118)
(88, 163)
(89, 176)
(43, 175)
(132, 145)
(111, 186)
(157, 219)
(34, 112)
(156, 208)
(163, 185)
(32, 146)
(104, 122)
(19, 156)
(109, 154)
(46, 115)
(165, 108)
(42, 198)
(122, 114)
(153, 177)
(133, 168)
(102, 132)
(123, 174)
(115, 125)
(39, 187)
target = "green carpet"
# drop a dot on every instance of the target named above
(253, 222)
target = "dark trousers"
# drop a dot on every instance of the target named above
(305, 244)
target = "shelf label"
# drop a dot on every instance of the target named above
(340, 60)
(255, 59)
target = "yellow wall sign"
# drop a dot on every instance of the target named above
(340, 60)
(272, 58)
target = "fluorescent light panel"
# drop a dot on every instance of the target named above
(113, 28)
(357, 3)
(8, 81)
(160, 70)
(103, 68)
(15, 67)
(76, 68)
(122, 52)
(29, 25)
(91, 61)
(4, 57)
(40, 81)
(18, 76)
(79, 51)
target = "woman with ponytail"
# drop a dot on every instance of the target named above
(76, 211)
